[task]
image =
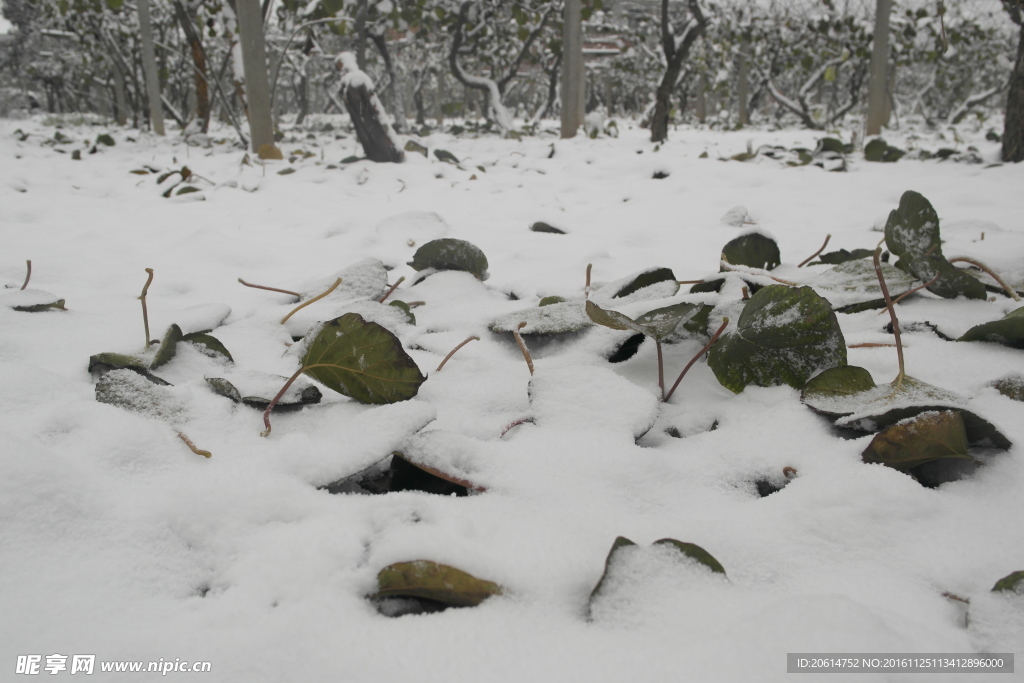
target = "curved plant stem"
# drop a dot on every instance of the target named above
(522, 346)
(758, 272)
(898, 382)
(452, 352)
(28, 274)
(393, 288)
(870, 345)
(280, 394)
(904, 295)
(145, 311)
(661, 370)
(518, 422)
(586, 287)
(995, 276)
(271, 289)
(192, 447)
(688, 282)
(714, 338)
(315, 298)
(817, 253)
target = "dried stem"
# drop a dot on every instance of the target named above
(271, 289)
(995, 276)
(586, 288)
(954, 596)
(522, 346)
(789, 472)
(452, 352)
(393, 288)
(145, 311)
(315, 298)
(689, 282)
(869, 345)
(518, 422)
(273, 403)
(746, 294)
(904, 295)
(817, 253)
(28, 274)
(898, 383)
(714, 338)
(757, 272)
(192, 447)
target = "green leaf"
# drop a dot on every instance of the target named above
(853, 286)
(168, 347)
(39, 308)
(753, 250)
(446, 156)
(105, 139)
(548, 300)
(405, 308)
(451, 254)
(434, 581)
(298, 395)
(620, 543)
(922, 439)
(556, 318)
(1012, 583)
(694, 552)
(1008, 331)
(881, 151)
(841, 381)
(208, 343)
(677, 321)
(413, 146)
(646, 279)
(912, 233)
(842, 256)
(1011, 387)
(784, 335)
(612, 319)
(541, 226)
(102, 363)
(361, 360)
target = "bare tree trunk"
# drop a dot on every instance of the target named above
(367, 112)
(878, 87)
(572, 69)
(120, 100)
(156, 111)
(195, 44)
(1013, 129)
(676, 53)
(257, 84)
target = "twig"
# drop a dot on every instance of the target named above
(192, 447)
(271, 289)
(28, 274)
(714, 338)
(904, 295)
(689, 282)
(586, 288)
(518, 422)
(892, 314)
(392, 289)
(522, 346)
(315, 298)
(661, 370)
(757, 272)
(145, 312)
(280, 394)
(869, 345)
(452, 352)
(1002, 283)
(954, 596)
(817, 253)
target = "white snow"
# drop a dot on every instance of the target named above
(117, 540)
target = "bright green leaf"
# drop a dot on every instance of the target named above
(434, 581)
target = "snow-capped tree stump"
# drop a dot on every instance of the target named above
(368, 117)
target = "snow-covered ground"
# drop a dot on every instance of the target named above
(116, 540)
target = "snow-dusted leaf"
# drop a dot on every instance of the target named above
(677, 321)
(168, 347)
(853, 286)
(919, 440)
(842, 256)
(1008, 330)
(649, 277)
(257, 389)
(541, 226)
(451, 254)
(1012, 583)
(694, 552)
(843, 381)
(208, 344)
(434, 581)
(102, 363)
(754, 250)
(31, 301)
(131, 391)
(783, 336)
(361, 360)
(556, 318)
(1011, 386)
(612, 319)
(912, 233)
